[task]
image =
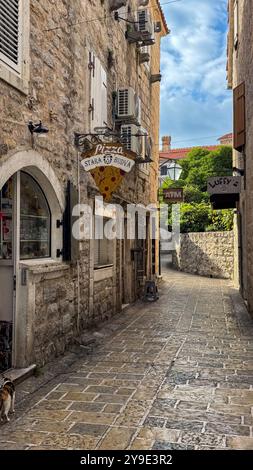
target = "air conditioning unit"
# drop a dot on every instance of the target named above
(144, 54)
(117, 4)
(145, 26)
(128, 105)
(131, 139)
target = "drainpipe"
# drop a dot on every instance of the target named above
(78, 261)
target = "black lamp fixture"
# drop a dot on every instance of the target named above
(37, 128)
(239, 171)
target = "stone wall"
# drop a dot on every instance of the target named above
(207, 254)
(241, 65)
(103, 299)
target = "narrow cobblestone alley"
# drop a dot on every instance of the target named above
(175, 374)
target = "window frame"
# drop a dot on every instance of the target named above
(18, 75)
(49, 256)
(99, 240)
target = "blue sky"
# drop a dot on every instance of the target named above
(196, 107)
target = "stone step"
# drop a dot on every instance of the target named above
(18, 375)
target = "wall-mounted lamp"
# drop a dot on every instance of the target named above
(37, 128)
(155, 78)
(239, 171)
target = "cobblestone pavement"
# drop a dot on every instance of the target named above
(175, 374)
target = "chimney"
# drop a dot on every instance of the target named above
(166, 140)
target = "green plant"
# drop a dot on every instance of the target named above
(196, 212)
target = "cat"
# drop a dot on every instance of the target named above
(7, 399)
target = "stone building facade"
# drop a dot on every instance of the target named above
(62, 63)
(239, 75)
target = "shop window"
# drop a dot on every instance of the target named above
(103, 247)
(6, 210)
(35, 220)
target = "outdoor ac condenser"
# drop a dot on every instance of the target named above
(130, 138)
(128, 105)
(145, 23)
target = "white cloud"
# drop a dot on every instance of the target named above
(195, 100)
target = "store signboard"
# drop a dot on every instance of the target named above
(173, 195)
(108, 164)
(224, 185)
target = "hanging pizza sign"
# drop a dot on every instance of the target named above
(108, 164)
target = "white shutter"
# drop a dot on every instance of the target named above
(97, 86)
(236, 20)
(95, 83)
(98, 94)
(104, 96)
(10, 33)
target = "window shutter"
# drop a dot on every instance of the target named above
(239, 117)
(70, 244)
(97, 86)
(236, 20)
(104, 96)
(98, 95)
(10, 15)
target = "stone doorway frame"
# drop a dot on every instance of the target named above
(37, 166)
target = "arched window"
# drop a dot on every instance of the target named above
(35, 220)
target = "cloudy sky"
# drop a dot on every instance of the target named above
(195, 103)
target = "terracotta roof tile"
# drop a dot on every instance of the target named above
(180, 153)
(226, 136)
(163, 17)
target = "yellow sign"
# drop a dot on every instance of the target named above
(108, 164)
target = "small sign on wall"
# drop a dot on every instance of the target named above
(224, 185)
(173, 194)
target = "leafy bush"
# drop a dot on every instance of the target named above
(196, 211)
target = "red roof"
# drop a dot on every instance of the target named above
(163, 17)
(177, 154)
(226, 136)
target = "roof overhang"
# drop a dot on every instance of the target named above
(159, 11)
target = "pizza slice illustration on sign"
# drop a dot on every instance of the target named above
(108, 164)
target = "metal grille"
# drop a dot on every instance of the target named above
(9, 30)
(126, 136)
(123, 99)
(142, 20)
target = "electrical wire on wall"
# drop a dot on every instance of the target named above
(106, 16)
